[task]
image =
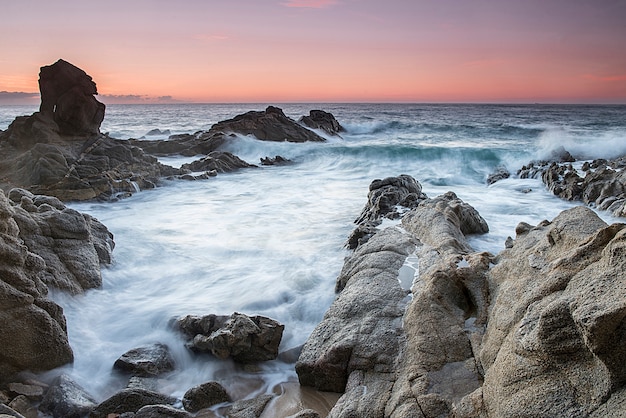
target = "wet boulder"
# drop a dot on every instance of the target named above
(268, 125)
(325, 121)
(204, 396)
(244, 339)
(146, 361)
(66, 399)
(217, 161)
(130, 400)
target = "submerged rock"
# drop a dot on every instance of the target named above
(244, 339)
(146, 361)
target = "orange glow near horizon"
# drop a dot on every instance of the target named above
(324, 50)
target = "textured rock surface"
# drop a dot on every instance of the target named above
(146, 361)
(268, 125)
(319, 119)
(538, 330)
(555, 343)
(204, 396)
(67, 92)
(43, 243)
(244, 339)
(66, 399)
(130, 400)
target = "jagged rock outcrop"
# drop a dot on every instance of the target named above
(217, 161)
(601, 184)
(385, 346)
(268, 125)
(200, 143)
(538, 330)
(67, 93)
(244, 339)
(319, 119)
(43, 243)
(555, 343)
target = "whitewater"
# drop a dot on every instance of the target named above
(270, 240)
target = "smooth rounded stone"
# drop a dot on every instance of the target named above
(161, 411)
(130, 400)
(204, 396)
(146, 361)
(66, 399)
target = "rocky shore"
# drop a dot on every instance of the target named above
(422, 325)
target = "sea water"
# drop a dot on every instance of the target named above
(270, 240)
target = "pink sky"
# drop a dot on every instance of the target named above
(565, 51)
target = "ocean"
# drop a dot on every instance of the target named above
(270, 241)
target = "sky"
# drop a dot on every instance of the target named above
(470, 51)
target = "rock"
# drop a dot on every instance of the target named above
(161, 411)
(268, 125)
(72, 245)
(221, 162)
(6, 411)
(200, 143)
(155, 132)
(244, 339)
(249, 408)
(146, 361)
(554, 342)
(278, 160)
(204, 396)
(394, 352)
(306, 413)
(24, 406)
(30, 391)
(66, 399)
(501, 173)
(34, 335)
(390, 198)
(319, 119)
(130, 400)
(67, 93)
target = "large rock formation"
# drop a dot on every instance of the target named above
(268, 125)
(424, 326)
(67, 93)
(319, 119)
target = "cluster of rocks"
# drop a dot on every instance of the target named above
(59, 151)
(239, 337)
(537, 330)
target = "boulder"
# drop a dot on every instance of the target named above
(7, 412)
(555, 339)
(204, 396)
(72, 245)
(390, 198)
(67, 93)
(161, 411)
(130, 400)
(500, 173)
(249, 408)
(34, 333)
(319, 119)
(277, 160)
(66, 399)
(268, 125)
(146, 361)
(244, 339)
(220, 162)
(200, 143)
